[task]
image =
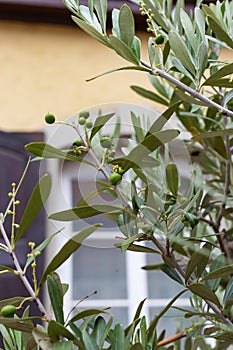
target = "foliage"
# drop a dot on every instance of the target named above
(191, 231)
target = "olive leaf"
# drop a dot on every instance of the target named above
(181, 52)
(172, 178)
(92, 31)
(155, 321)
(101, 7)
(149, 95)
(44, 150)
(86, 211)
(34, 205)
(149, 144)
(67, 250)
(86, 313)
(89, 341)
(204, 292)
(219, 273)
(222, 72)
(123, 50)
(56, 298)
(126, 25)
(99, 123)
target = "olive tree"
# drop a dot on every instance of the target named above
(191, 231)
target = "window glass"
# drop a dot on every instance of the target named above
(82, 188)
(159, 284)
(100, 269)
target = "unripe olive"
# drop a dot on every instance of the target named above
(77, 143)
(106, 142)
(84, 114)
(81, 120)
(120, 171)
(115, 178)
(50, 118)
(159, 40)
(8, 310)
(89, 125)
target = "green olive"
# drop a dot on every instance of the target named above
(159, 40)
(121, 171)
(89, 125)
(106, 142)
(77, 143)
(81, 121)
(115, 178)
(50, 118)
(8, 310)
(84, 114)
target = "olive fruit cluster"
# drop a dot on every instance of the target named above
(116, 176)
(82, 119)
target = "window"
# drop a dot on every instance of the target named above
(118, 278)
(99, 266)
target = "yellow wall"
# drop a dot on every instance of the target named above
(43, 69)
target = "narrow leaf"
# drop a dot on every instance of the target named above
(155, 321)
(84, 212)
(171, 272)
(149, 95)
(34, 205)
(150, 143)
(163, 118)
(44, 150)
(181, 52)
(55, 298)
(220, 32)
(123, 50)
(89, 341)
(228, 291)
(172, 178)
(139, 68)
(40, 248)
(221, 272)
(204, 292)
(222, 72)
(101, 7)
(99, 123)
(86, 313)
(92, 31)
(198, 260)
(67, 250)
(188, 98)
(188, 28)
(212, 134)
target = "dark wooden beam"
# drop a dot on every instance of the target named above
(54, 11)
(48, 11)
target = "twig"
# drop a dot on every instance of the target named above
(178, 268)
(171, 339)
(21, 273)
(192, 92)
(227, 177)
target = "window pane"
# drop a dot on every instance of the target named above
(159, 284)
(100, 269)
(82, 188)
